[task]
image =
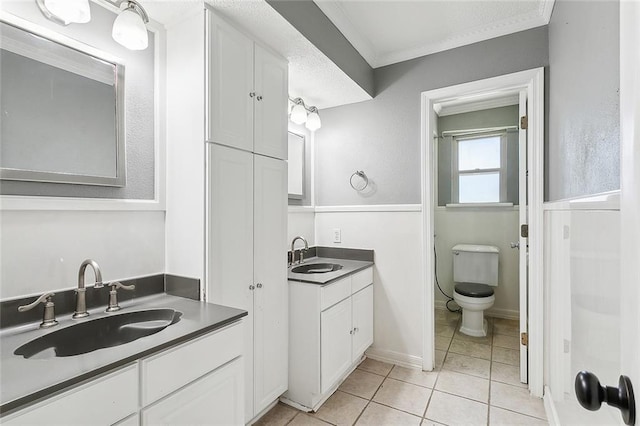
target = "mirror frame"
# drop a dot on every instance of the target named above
(119, 180)
(296, 196)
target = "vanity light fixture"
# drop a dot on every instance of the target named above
(313, 120)
(299, 111)
(129, 28)
(65, 12)
(301, 114)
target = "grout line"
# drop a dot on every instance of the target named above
(520, 412)
(372, 396)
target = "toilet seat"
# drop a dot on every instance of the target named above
(474, 290)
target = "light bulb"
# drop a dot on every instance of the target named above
(299, 114)
(76, 11)
(313, 120)
(130, 31)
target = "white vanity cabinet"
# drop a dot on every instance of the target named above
(246, 262)
(104, 400)
(331, 327)
(247, 92)
(197, 382)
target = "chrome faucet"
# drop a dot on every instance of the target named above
(306, 247)
(81, 303)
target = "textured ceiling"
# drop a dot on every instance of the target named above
(386, 31)
(312, 75)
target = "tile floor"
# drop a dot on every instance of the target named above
(475, 382)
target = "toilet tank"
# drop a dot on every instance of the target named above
(475, 264)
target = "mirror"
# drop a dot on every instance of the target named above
(296, 166)
(62, 112)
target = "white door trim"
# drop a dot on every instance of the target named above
(630, 190)
(533, 82)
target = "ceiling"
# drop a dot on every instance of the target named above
(389, 31)
(312, 75)
(383, 32)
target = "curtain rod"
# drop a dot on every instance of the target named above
(463, 132)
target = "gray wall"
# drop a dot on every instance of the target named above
(583, 147)
(496, 117)
(382, 136)
(139, 101)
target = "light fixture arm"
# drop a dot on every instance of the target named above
(299, 101)
(137, 7)
(50, 16)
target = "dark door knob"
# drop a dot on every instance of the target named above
(591, 394)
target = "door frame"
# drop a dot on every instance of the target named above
(532, 81)
(629, 190)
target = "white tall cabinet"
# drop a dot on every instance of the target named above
(247, 201)
(227, 185)
(247, 92)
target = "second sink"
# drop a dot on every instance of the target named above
(99, 333)
(316, 268)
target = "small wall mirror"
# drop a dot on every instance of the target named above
(62, 112)
(296, 166)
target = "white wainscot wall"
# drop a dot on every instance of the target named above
(301, 222)
(395, 236)
(42, 250)
(487, 226)
(582, 312)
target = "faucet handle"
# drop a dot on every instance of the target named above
(117, 284)
(45, 298)
(113, 295)
(49, 316)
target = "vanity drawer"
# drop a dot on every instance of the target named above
(104, 400)
(361, 279)
(174, 368)
(335, 292)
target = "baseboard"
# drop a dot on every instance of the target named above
(392, 357)
(550, 408)
(497, 313)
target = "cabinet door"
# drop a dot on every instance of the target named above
(362, 305)
(335, 343)
(102, 401)
(271, 84)
(215, 399)
(270, 274)
(230, 239)
(230, 96)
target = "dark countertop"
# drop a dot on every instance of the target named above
(349, 267)
(26, 381)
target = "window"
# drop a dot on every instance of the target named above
(479, 169)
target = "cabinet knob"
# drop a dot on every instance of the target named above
(259, 97)
(259, 285)
(252, 94)
(252, 287)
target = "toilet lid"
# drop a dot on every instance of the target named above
(474, 290)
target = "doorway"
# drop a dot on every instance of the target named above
(527, 87)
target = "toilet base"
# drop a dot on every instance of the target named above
(473, 323)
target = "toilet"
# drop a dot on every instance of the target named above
(475, 272)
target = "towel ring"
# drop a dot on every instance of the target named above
(361, 183)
